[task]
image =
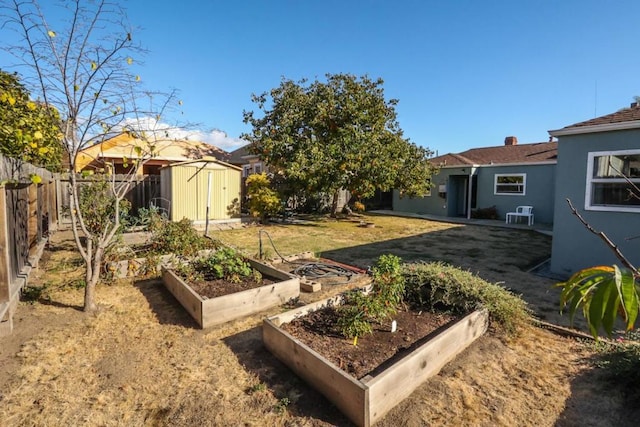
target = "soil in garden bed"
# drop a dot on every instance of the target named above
(221, 287)
(374, 351)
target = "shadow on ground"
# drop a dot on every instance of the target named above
(165, 307)
(256, 359)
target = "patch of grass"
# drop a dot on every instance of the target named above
(441, 286)
(33, 294)
(620, 364)
(281, 406)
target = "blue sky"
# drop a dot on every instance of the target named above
(466, 73)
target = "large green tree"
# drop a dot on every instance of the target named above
(82, 62)
(29, 130)
(337, 134)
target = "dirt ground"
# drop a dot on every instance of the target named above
(141, 361)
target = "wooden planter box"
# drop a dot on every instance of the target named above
(214, 311)
(367, 400)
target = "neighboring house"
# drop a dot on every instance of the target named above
(250, 163)
(594, 156)
(122, 150)
(504, 176)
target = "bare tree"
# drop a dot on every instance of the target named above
(84, 68)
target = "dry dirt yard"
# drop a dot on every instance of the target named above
(141, 360)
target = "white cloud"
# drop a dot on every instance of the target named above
(215, 137)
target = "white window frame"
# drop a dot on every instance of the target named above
(590, 180)
(257, 167)
(495, 184)
(246, 170)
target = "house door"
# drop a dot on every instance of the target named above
(458, 196)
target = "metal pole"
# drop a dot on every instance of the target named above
(206, 226)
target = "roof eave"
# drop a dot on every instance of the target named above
(607, 127)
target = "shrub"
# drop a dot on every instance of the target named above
(263, 201)
(358, 207)
(485, 213)
(179, 238)
(438, 286)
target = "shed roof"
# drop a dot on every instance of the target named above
(541, 152)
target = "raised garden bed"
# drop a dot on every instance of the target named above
(368, 399)
(214, 311)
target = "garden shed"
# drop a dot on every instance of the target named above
(200, 189)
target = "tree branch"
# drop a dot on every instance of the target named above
(606, 240)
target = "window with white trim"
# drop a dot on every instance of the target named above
(257, 168)
(513, 184)
(613, 180)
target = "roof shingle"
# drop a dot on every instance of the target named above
(625, 115)
(503, 154)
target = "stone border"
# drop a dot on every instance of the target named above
(215, 311)
(367, 400)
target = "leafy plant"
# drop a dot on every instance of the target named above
(358, 207)
(359, 310)
(225, 263)
(438, 286)
(603, 292)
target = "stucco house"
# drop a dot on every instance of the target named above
(123, 149)
(250, 163)
(594, 157)
(503, 177)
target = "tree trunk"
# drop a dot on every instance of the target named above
(334, 204)
(92, 277)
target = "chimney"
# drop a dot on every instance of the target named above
(511, 140)
(634, 105)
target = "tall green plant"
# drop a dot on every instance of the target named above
(358, 312)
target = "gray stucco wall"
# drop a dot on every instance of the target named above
(539, 192)
(433, 204)
(574, 247)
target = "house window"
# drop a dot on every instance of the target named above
(510, 184)
(246, 170)
(613, 180)
(257, 168)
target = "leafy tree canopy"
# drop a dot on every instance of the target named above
(29, 130)
(341, 133)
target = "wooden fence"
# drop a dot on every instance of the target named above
(28, 211)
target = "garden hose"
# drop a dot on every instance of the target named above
(313, 270)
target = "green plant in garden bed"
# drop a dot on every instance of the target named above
(438, 286)
(359, 310)
(224, 263)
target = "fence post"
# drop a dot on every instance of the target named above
(5, 267)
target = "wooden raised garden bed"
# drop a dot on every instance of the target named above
(214, 311)
(367, 400)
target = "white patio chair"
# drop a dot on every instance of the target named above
(521, 211)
